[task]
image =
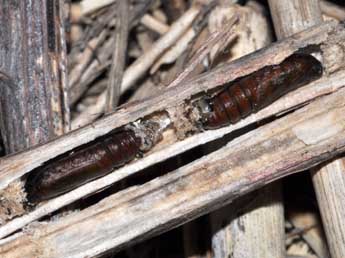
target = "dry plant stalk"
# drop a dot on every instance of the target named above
(263, 221)
(150, 22)
(290, 18)
(274, 150)
(33, 158)
(87, 66)
(329, 180)
(311, 228)
(142, 64)
(298, 141)
(175, 96)
(309, 93)
(89, 6)
(247, 228)
(119, 57)
(332, 10)
(33, 82)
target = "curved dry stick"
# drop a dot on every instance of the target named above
(141, 65)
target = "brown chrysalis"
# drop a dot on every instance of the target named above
(82, 165)
(259, 89)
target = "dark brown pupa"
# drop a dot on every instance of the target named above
(82, 165)
(259, 89)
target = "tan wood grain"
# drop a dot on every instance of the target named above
(22, 163)
(258, 230)
(13, 167)
(250, 161)
(290, 17)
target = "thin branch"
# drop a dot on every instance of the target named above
(332, 10)
(290, 17)
(153, 24)
(13, 167)
(288, 145)
(90, 6)
(329, 183)
(205, 49)
(142, 64)
(262, 217)
(174, 96)
(119, 56)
